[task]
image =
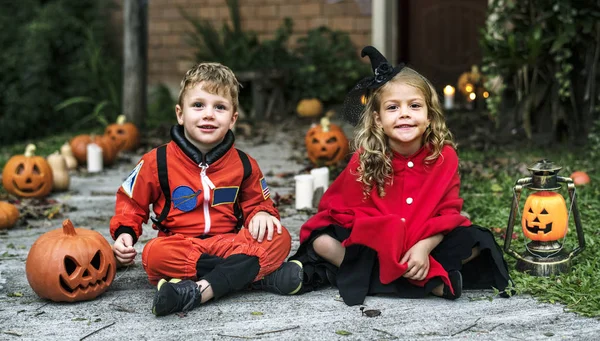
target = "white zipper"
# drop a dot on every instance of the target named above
(206, 183)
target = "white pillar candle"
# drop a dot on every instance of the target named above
(94, 158)
(304, 191)
(321, 177)
(448, 97)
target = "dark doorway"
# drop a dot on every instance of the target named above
(440, 38)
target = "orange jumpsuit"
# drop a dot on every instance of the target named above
(201, 219)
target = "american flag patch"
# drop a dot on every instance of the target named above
(265, 189)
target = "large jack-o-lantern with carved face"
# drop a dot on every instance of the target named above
(70, 264)
(28, 175)
(545, 216)
(326, 144)
(125, 135)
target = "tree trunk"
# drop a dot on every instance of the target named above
(135, 60)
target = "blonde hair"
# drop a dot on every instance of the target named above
(375, 159)
(216, 78)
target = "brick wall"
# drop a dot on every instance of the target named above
(167, 49)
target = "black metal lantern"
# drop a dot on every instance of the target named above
(545, 221)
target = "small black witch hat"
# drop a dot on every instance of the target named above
(355, 100)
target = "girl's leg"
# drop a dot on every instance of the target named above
(330, 249)
(439, 290)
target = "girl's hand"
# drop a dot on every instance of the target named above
(123, 249)
(263, 222)
(418, 262)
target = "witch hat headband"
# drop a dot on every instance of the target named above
(354, 103)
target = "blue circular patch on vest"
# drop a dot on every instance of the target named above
(184, 198)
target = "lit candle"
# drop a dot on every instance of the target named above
(321, 177)
(304, 191)
(448, 97)
(94, 158)
(470, 99)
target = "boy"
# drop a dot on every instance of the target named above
(195, 184)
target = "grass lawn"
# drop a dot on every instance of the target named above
(488, 178)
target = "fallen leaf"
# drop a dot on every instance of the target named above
(15, 294)
(78, 319)
(256, 313)
(12, 332)
(343, 332)
(372, 312)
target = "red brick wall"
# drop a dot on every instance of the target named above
(167, 48)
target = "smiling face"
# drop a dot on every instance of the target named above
(403, 116)
(206, 117)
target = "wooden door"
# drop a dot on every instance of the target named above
(440, 38)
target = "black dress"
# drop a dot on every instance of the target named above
(358, 275)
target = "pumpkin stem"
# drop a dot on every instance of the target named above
(121, 119)
(325, 124)
(30, 150)
(68, 228)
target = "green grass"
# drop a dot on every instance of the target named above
(487, 188)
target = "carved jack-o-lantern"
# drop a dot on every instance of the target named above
(70, 264)
(326, 144)
(545, 216)
(27, 175)
(125, 135)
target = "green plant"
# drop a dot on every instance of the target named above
(103, 74)
(328, 66)
(161, 106)
(43, 45)
(547, 52)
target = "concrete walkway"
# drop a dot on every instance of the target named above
(123, 312)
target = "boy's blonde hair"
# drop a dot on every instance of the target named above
(218, 79)
(375, 165)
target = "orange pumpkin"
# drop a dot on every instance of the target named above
(310, 107)
(79, 148)
(125, 135)
(9, 215)
(70, 264)
(326, 144)
(27, 175)
(580, 178)
(545, 216)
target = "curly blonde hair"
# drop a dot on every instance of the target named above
(217, 78)
(375, 159)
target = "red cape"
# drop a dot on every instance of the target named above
(423, 200)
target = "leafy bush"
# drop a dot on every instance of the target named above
(547, 53)
(44, 44)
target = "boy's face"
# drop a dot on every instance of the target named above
(205, 117)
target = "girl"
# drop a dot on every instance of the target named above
(391, 222)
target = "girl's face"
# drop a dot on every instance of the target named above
(403, 116)
(205, 117)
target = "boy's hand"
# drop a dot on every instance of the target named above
(263, 222)
(123, 249)
(418, 262)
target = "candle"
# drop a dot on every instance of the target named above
(470, 99)
(304, 191)
(94, 158)
(448, 97)
(321, 178)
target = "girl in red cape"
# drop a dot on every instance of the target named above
(391, 222)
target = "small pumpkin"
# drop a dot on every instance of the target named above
(326, 144)
(545, 217)
(309, 107)
(9, 215)
(27, 175)
(580, 178)
(60, 172)
(79, 148)
(471, 81)
(67, 153)
(125, 135)
(70, 264)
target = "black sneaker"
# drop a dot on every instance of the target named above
(287, 280)
(174, 296)
(456, 281)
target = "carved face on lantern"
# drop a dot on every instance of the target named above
(326, 146)
(70, 264)
(545, 216)
(27, 176)
(125, 136)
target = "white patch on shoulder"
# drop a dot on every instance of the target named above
(129, 183)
